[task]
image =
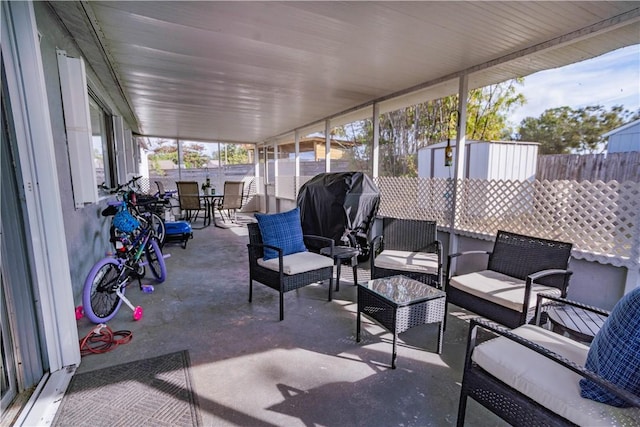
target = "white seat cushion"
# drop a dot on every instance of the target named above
(547, 382)
(500, 289)
(298, 262)
(424, 262)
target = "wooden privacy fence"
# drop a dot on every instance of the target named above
(590, 167)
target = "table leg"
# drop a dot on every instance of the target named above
(394, 354)
(358, 326)
(354, 264)
(338, 275)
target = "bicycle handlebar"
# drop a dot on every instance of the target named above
(119, 187)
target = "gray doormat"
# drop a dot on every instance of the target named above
(149, 392)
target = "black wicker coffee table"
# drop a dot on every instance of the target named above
(399, 303)
(343, 254)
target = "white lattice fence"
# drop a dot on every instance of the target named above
(416, 198)
(602, 220)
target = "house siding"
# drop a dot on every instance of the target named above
(86, 230)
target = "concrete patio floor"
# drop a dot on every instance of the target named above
(249, 369)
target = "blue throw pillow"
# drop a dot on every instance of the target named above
(282, 230)
(615, 352)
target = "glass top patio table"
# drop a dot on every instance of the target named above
(399, 303)
(402, 290)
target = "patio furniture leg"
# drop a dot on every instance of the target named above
(441, 333)
(355, 274)
(462, 407)
(281, 305)
(394, 353)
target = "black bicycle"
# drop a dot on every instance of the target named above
(105, 285)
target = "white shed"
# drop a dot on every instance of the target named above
(625, 138)
(492, 160)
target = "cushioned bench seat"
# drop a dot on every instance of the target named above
(299, 262)
(424, 262)
(546, 382)
(500, 289)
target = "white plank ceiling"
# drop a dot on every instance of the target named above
(251, 71)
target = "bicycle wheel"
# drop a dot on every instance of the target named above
(99, 298)
(157, 224)
(156, 260)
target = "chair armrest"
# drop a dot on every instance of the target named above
(476, 323)
(540, 274)
(564, 301)
(374, 251)
(253, 251)
(544, 273)
(320, 240)
(435, 247)
(376, 243)
(459, 254)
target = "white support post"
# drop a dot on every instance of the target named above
(327, 146)
(375, 146)
(459, 160)
(179, 144)
(296, 172)
(256, 165)
(275, 168)
(220, 176)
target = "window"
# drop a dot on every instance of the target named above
(102, 145)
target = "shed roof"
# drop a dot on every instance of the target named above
(621, 128)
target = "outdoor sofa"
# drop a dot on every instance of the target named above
(531, 376)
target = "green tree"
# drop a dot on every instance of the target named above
(404, 131)
(232, 154)
(564, 130)
(193, 155)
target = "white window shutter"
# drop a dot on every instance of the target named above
(75, 101)
(121, 153)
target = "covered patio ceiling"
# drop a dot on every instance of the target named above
(249, 72)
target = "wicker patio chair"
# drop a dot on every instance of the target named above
(191, 202)
(318, 267)
(528, 376)
(408, 247)
(231, 201)
(519, 267)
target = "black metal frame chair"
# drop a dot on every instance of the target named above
(525, 258)
(508, 403)
(408, 235)
(279, 280)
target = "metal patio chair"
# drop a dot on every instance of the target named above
(230, 201)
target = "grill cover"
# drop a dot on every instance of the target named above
(340, 206)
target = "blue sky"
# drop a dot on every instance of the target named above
(610, 79)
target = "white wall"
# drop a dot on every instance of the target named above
(484, 160)
(625, 140)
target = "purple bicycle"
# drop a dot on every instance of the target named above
(105, 286)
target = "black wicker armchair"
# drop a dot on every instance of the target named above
(408, 247)
(289, 272)
(529, 376)
(519, 268)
